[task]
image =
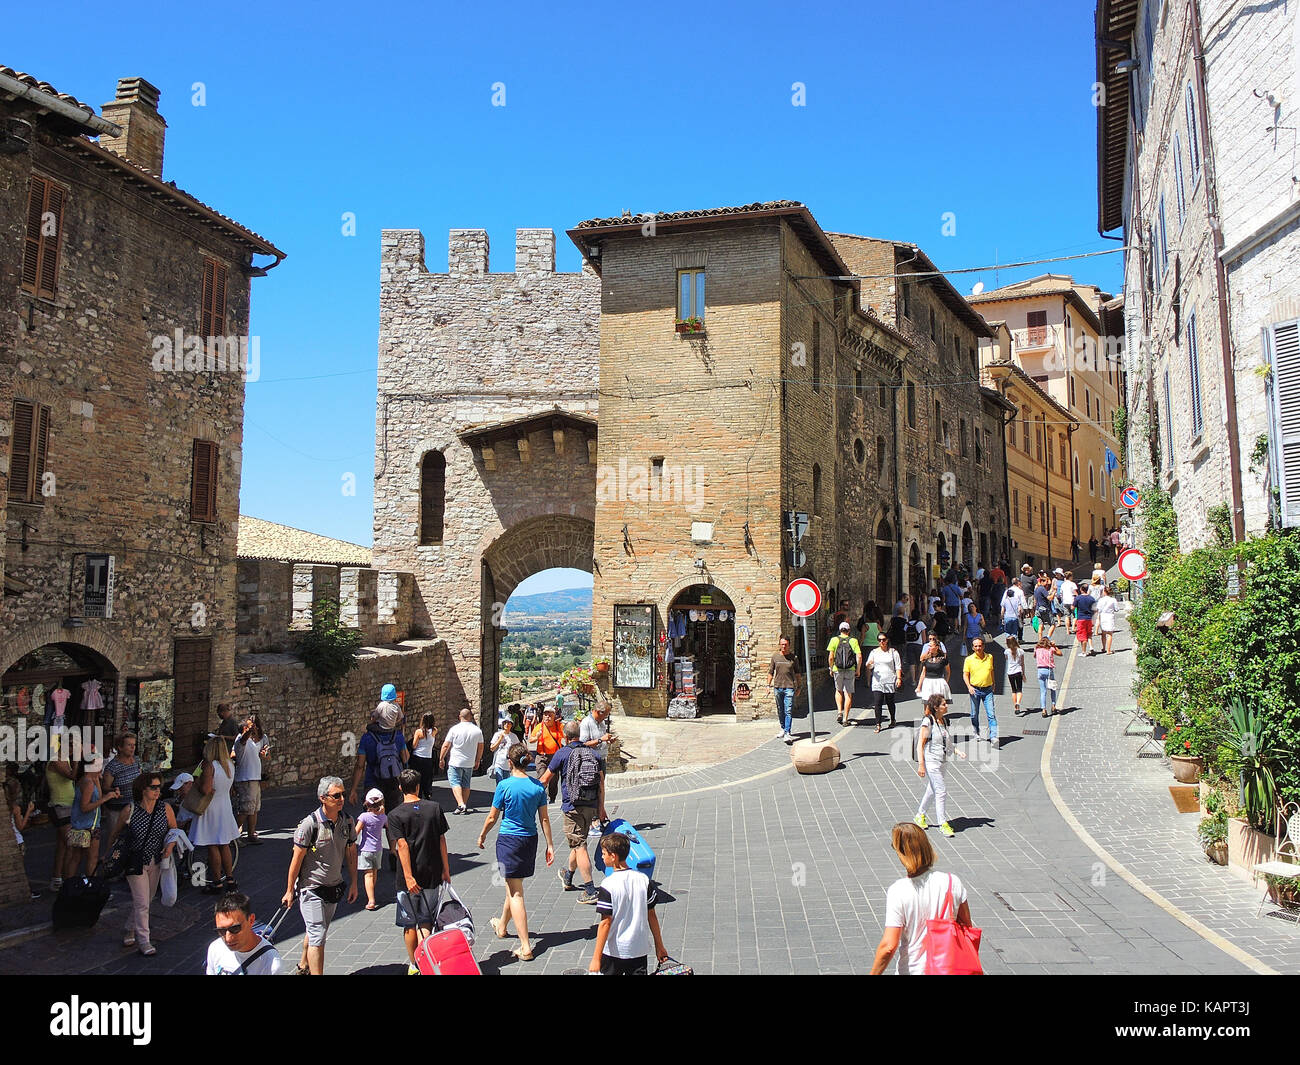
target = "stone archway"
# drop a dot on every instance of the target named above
(28, 639)
(552, 541)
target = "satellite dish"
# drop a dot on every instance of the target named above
(979, 287)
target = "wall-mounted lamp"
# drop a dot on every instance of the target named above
(1127, 66)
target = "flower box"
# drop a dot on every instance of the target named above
(691, 326)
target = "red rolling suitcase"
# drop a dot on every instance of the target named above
(446, 954)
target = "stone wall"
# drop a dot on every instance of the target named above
(314, 734)
(472, 348)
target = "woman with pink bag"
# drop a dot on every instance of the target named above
(919, 913)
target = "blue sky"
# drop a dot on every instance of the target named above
(315, 110)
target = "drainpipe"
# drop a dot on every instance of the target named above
(1221, 281)
(47, 102)
(1047, 489)
(1070, 430)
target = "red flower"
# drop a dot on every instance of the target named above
(1187, 744)
(1178, 728)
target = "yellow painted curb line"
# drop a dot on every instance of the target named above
(730, 783)
(1208, 934)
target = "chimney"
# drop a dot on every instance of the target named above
(143, 128)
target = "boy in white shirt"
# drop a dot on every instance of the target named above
(626, 904)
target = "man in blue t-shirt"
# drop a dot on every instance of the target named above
(579, 811)
(381, 756)
(1084, 605)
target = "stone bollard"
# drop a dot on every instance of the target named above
(809, 757)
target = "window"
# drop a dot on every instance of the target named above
(1087, 403)
(938, 422)
(817, 490)
(911, 405)
(1283, 355)
(690, 294)
(962, 438)
(31, 437)
(857, 384)
(907, 300)
(883, 398)
(203, 482)
(1076, 471)
(1072, 399)
(816, 356)
(657, 477)
(1194, 374)
(1038, 442)
(859, 451)
(912, 491)
(1042, 517)
(1029, 512)
(1092, 480)
(947, 437)
(1169, 423)
(1056, 529)
(1011, 433)
(1037, 331)
(1193, 138)
(979, 446)
(1164, 239)
(212, 317)
(1015, 505)
(880, 455)
(1179, 198)
(1051, 461)
(1064, 459)
(433, 491)
(41, 243)
(934, 325)
(1024, 429)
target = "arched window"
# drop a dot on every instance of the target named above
(1024, 429)
(1064, 457)
(433, 490)
(817, 489)
(1092, 481)
(1076, 470)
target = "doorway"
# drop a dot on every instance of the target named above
(700, 654)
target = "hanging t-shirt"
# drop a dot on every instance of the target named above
(60, 696)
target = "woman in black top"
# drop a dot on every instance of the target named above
(144, 847)
(934, 663)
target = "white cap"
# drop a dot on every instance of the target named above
(374, 795)
(844, 626)
(181, 780)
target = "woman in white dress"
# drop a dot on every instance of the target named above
(1105, 611)
(935, 671)
(216, 826)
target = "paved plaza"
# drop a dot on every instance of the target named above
(766, 871)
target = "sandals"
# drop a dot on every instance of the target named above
(879, 727)
(371, 906)
(495, 922)
(519, 953)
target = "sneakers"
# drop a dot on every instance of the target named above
(788, 737)
(588, 897)
(128, 940)
(920, 821)
(782, 734)
(993, 742)
(411, 970)
(946, 829)
(566, 878)
(148, 950)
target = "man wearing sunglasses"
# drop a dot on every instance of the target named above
(238, 950)
(321, 843)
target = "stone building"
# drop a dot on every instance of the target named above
(119, 464)
(485, 450)
(1065, 483)
(1196, 163)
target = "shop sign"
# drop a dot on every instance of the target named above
(99, 586)
(742, 691)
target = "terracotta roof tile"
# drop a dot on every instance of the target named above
(44, 86)
(267, 541)
(673, 216)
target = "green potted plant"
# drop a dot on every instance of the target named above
(1212, 832)
(600, 664)
(1187, 764)
(694, 324)
(1283, 890)
(1244, 757)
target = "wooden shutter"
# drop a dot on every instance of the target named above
(20, 463)
(203, 483)
(1037, 323)
(212, 318)
(41, 249)
(41, 445)
(1286, 406)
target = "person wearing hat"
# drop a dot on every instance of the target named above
(845, 656)
(388, 704)
(369, 833)
(382, 754)
(179, 789)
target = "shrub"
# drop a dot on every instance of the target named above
(329, 649)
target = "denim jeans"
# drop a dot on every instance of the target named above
(784, 707)
(1012, 628)
(985, 696)
(1044, 675)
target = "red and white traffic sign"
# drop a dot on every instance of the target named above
(803, 597)
(1130, 497)
(1132, 564)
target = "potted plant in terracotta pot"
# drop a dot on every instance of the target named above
(1245, 757)
(1213, 830)
(1284, 890)
(601, 665)
(1178, 749)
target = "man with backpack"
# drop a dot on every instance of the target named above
(582, 779)
(845, 654)
(381, 757)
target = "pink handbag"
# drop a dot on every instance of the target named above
(951, 949)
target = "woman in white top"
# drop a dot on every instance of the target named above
(914, 900)
(502, 740)
(422, 754)
(1015, 672)
(1106, 609)
(933, 746)
(216, 826)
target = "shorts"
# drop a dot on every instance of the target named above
(1045, 616)
(248, 796)
(82, 837)
(460, 776)
(846, 680)
(62, 815)
(577, 823)
(424, 905)
(1017, 681)
(516, 856)
(912, 654)
(1083, 629)
(316, 915)
(612, 966)
(369, 859)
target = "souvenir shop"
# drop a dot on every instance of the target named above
(699, 654)
(60, 683)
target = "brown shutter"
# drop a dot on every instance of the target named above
(42, 444)
(20, 465)
(205, 315)
(203, 483)
(32, 240)
(50, 242)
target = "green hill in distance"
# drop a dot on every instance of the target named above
(565, 601)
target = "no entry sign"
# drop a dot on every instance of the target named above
(1132, 565)
(803, 597)
(1130, 497)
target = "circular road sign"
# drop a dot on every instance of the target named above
(1132, 564)
(1130, 497)
(803, 597)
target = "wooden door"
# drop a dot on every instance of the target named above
(192, 705)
